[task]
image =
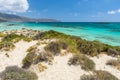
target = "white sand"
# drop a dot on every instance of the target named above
(101, 64)
(60, 70)
(16, 56)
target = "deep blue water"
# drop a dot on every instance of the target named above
(108, 33)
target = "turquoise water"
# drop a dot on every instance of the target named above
(108, 33)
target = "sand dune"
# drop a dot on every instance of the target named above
(16, 56)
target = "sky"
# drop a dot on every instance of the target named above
(65, 10)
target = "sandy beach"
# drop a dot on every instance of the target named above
(59, 69)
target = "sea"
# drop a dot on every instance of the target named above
(105, 32)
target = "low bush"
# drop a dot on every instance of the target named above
(91, 48)
(44, 56)
(82, 60)
(15, 73)
(15, 38)
(63, 44)
(6, 46)
(99, 75)
(88, 77)
(104, 75)
(53, 47)
(76, 44)
(112, 52)
(114, 63)
(38, 36)
(35, 56)
(28, 60)
(1, 34)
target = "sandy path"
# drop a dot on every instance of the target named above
(16, 56)
(60, 70)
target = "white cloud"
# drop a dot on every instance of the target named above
(119, 10)
(114, 11)
(74, 14)
(111, 12)
(14, 5)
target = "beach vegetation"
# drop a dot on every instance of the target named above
(76, 44)
(82, 60)
(41, 67)
(15, 38)
(104, 75)
(34, 56)
(2, 35)
(53, 47)
(114, 63)
(99, 75)
(88, 77)
(6, 46)
(15, 73)
(44, 57)
(112, 52)
(28, 60)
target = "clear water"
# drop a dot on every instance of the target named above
(108, 33)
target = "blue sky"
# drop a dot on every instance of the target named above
(72, 10)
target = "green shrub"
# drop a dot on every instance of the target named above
(15, 73)
(88, 77)
(53, 47)
(63, 44)
(15, 38)
(34, 57)
(6, 45)
(92, 48)
(38, 36)
(99, 75)
(44, 56)
(28, 60)
(76, 44)
(83, 61)
(1, 34)
(104, 75)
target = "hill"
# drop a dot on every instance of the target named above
(15, 18)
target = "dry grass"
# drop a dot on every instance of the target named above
(114, 63)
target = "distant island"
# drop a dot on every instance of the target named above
(15, 18)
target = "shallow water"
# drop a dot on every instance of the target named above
(108, 33)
